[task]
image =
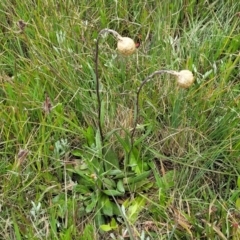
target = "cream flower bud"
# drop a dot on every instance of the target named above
(126, 46)
(185, 78)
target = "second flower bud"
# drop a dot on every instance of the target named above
(126, 46)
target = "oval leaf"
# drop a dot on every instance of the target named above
(120, 186)
(106, 227)
(112, 193)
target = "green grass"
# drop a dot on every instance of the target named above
(59, 180)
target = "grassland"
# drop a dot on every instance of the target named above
(178, 179)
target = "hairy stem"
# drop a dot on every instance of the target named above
(103, 31)
(136, 111)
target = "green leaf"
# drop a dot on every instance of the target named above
(98, 144)
(162, 197)
(115, 172)
(124, 144)
(120, 186)
(82, 189)
(238, 204)
(140, 186)
(111, 160)
(92, 205)
(107, 208)
(89, 134)
(137, 178)
(113, 223)
(122, 175)
(168, 179)
(136, 206)
(88, 233)
(67, 234)
(113, 193)
(16, 228)
(99, 219)
(106, 227)
(77, 153)
(109, 183)
(238, 182)
(116, 210)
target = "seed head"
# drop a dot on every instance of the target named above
(185, 78)
(126, 46)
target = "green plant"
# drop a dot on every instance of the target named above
(59, 180)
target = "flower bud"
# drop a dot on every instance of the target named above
(185, 78)
(126, 46)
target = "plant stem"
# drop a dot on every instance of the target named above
(136, 111)
(105, 30)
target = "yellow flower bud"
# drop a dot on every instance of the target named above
(126, 46)
(185, 78)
